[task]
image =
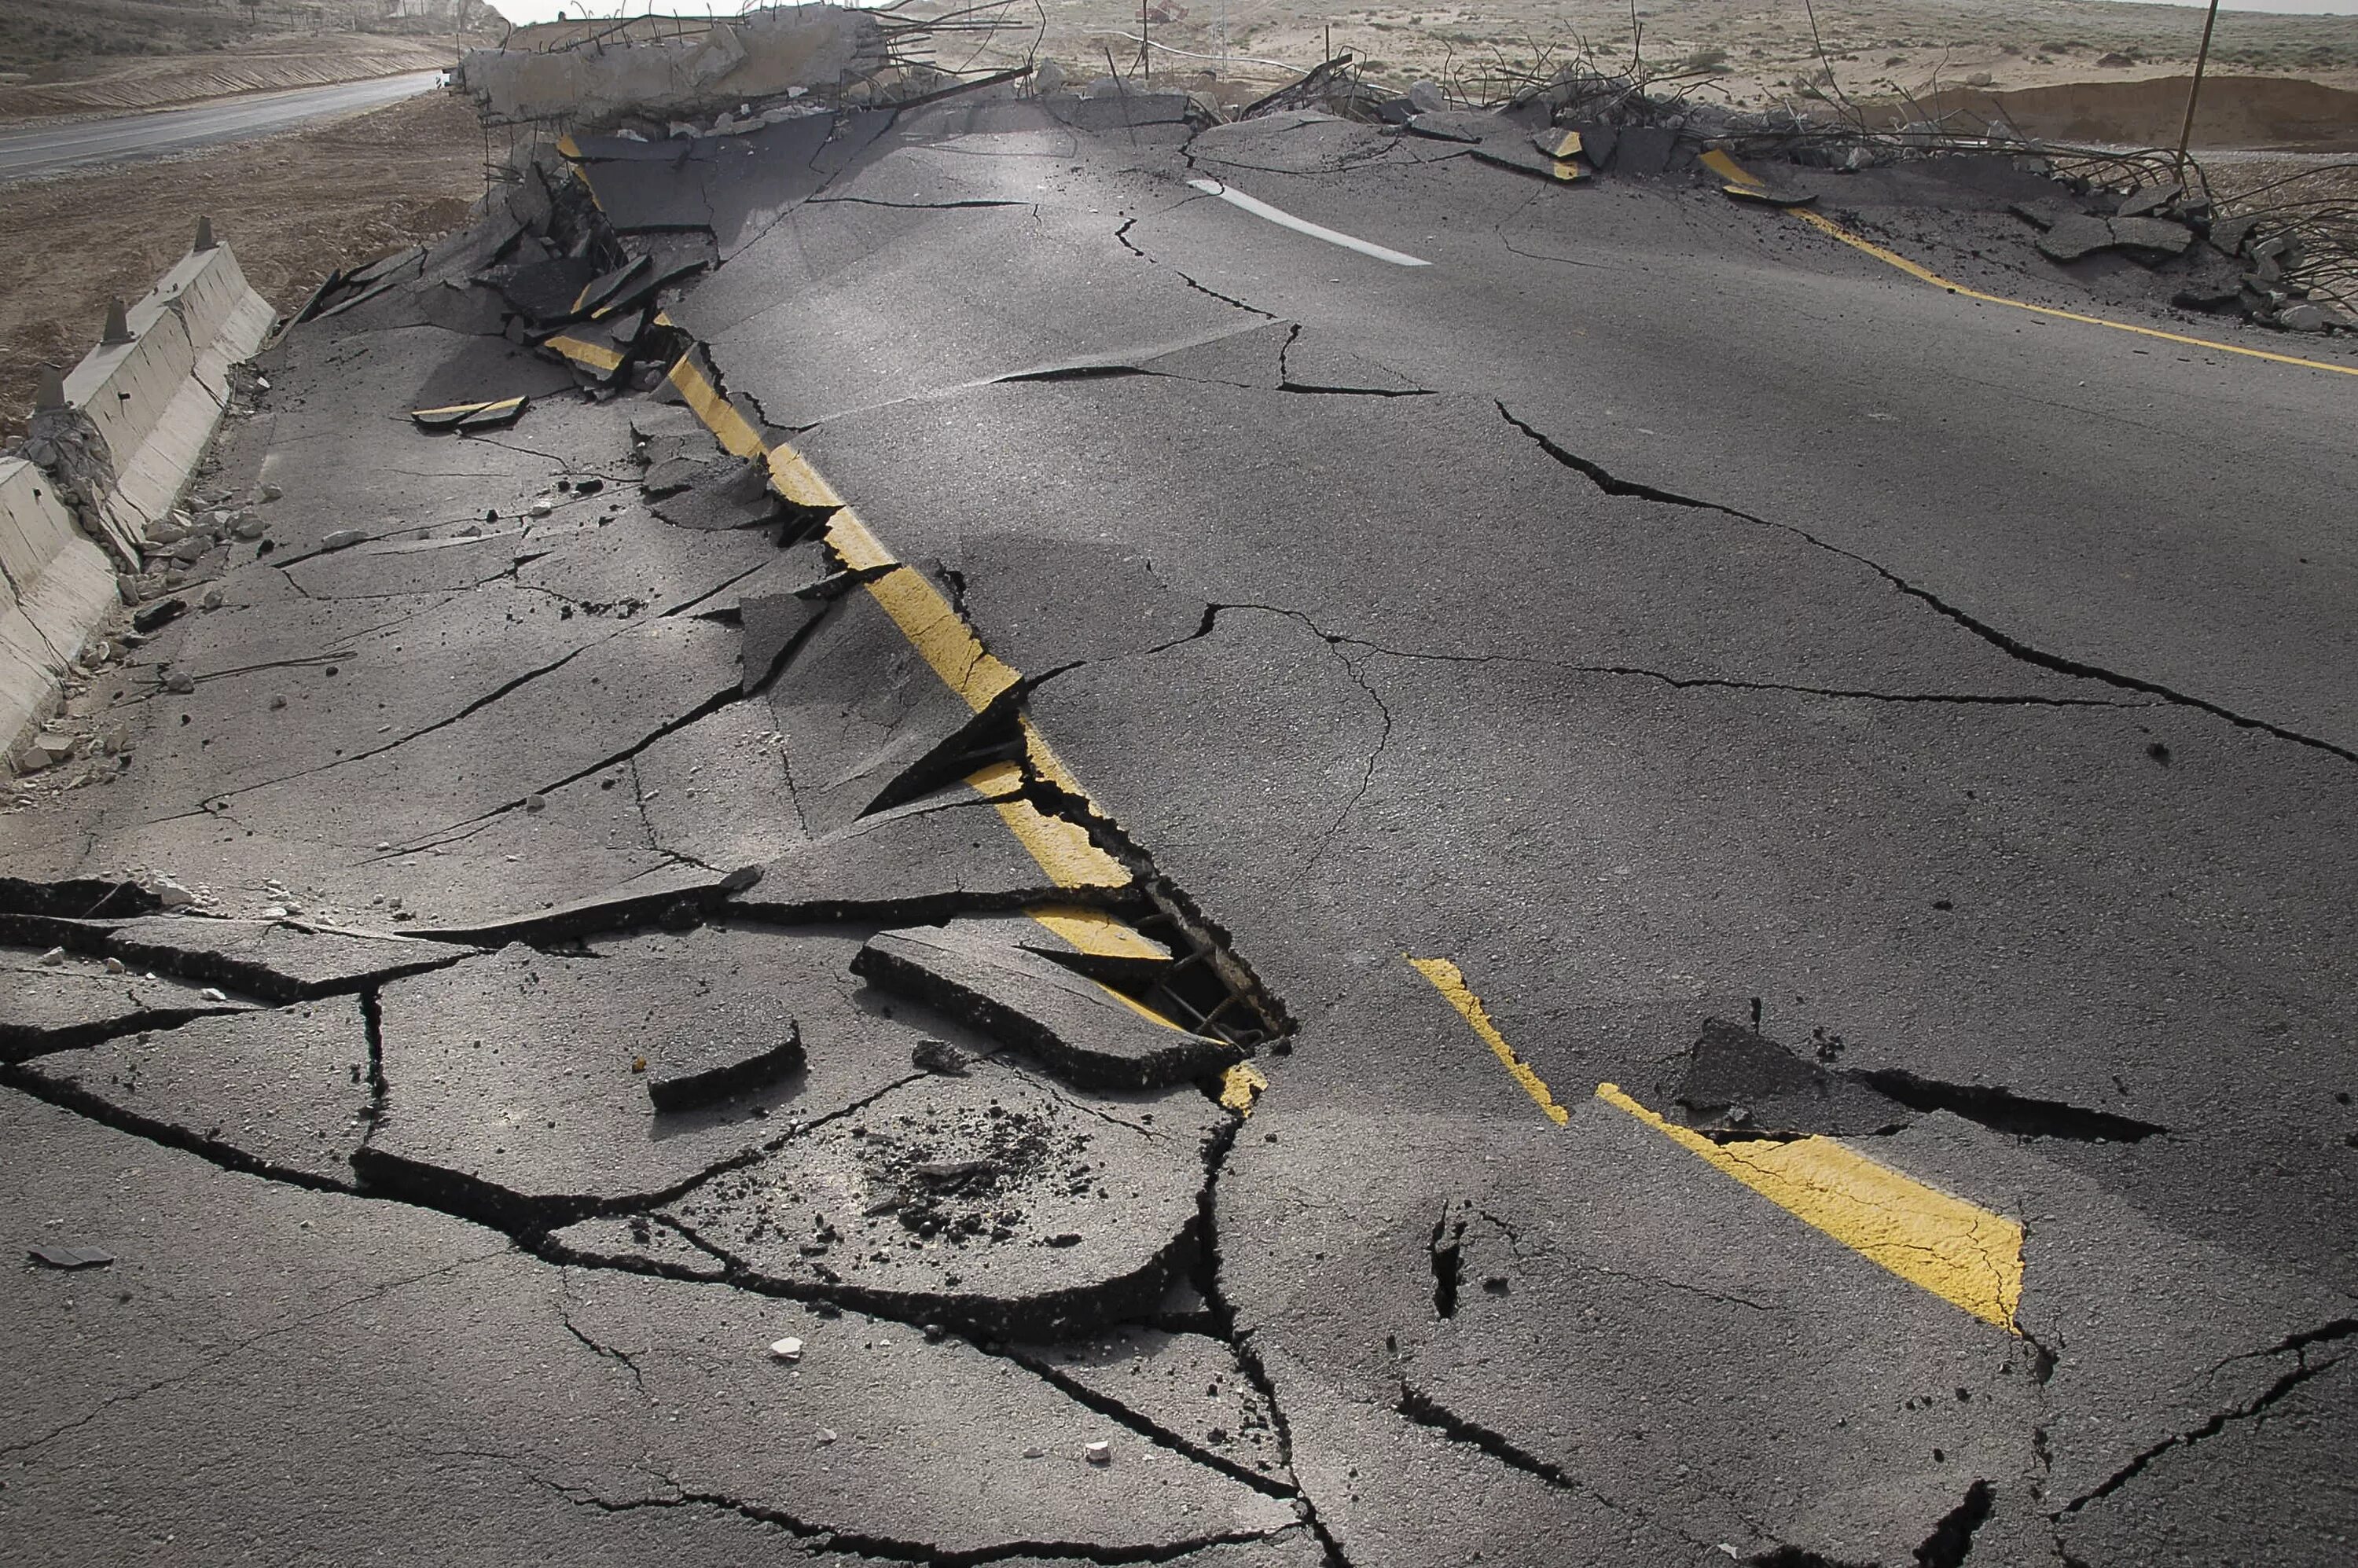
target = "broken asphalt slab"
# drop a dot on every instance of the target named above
(414, 1337)
(988, 1198)
(516, 1088)
(1077, 1029)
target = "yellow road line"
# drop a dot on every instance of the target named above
(1958, 1251)
(1062, 848)
(1727, 168)
(1450, 982)
(595, 355)
(731, 429)
(1094, 931)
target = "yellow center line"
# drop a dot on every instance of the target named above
(934, 627)
(1719, 163)
(595, 355)
(1958, 1251)
(731, 429)
(1450, 981)
(1063, 851)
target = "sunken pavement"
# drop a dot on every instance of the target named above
(753, 907)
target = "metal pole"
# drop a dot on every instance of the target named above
(2194, 92)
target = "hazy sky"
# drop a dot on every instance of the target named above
(521, 11)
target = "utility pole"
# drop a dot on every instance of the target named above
(2194, 92)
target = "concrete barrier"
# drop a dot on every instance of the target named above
(158, 397)
(59, 590)
(155, 392)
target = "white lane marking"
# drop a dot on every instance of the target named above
(1259, 208)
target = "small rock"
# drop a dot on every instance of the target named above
(541, 509)
(180, 681)
(264, 494)
(116, 966)
(212, 598)
(2303, 317)
(275, 911)
(213, 993)
(54, 957)
(1098, 1452)
(825, 1435)
(342, 539)
(532, 803)
(192, 549)
(1427, 97)
(278, 702)
(248, 526)
(788, 1349)
(938, 1056)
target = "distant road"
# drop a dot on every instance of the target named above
(29, 150)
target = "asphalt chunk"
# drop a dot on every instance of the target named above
(1079, 1030)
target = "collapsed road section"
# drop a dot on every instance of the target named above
(770, 909)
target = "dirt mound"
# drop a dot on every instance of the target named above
(2277, 113)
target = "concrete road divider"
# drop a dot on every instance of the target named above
(153, 391)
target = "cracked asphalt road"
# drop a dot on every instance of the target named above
(775, 1041)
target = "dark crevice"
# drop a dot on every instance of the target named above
(2011, 646)
(1677, 683)
(73, 1097)
(2301, 1372)
(727, 697)
(1952, 1537)
(26, 1043)
(1424, 1410)
(1122, 234)
(505, 689)
(2002, 1110)
(1080, 1393)
(1448, 1263)
(892, 1550)
(76, 898)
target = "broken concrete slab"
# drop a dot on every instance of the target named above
(1187, 1385)
(943, 854)
(2075, 235)
(421, 1354)
(284, 1093)
(712, 497)
(697, 1071)
(1471, 127)
(989, 1199)
(276, 960)
(78, 1001)
(772, 623)
(862, 715)
(516, 1083)
(1079, 1030)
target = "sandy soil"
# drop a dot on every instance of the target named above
(291, 206)
(1746, 51)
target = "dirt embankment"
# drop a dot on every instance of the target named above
(2272, 112)
(292, 207)
(123, 87)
